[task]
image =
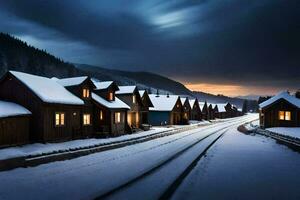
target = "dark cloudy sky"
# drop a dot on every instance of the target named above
(252, 46)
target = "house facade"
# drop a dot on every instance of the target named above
(186, 110)
(131, 96)
(14, 124)
(146, 104)
(195, 110)
(55, 110)
(282, 110)
(166, 110)
(110, 113)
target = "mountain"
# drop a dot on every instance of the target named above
(18, 55)
(251, 104)
(249, 97)
(144, 80)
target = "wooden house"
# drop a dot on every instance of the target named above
(14, 124)
(110, 113)
(167, 110)
(195, 110)
(131, 96)
(204, 110)
(211, 112)
(146, 104)
(282, 110)
(186, 110)
(82, 87)
(220, 111)
(55, 110)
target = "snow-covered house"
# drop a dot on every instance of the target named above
(167, 110)
(110, 113)
(82, 88)
(14, 124)
(211, 112)
(204, 110)
(282, 110)
(131, 96)
(195, 110)
(186, 110)
(55, 110)
(146, 104)
(220, 111)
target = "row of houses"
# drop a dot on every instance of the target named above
(40, 109)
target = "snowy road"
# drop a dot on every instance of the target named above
(172, 166)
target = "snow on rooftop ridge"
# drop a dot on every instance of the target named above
(183, 99)
(117, 103)
(163, 102)
(102, 85)
(47, 90)
(221, 107)
(126, 89)
(192, 102)
(142, 92)
(8, 109)
(71, 81)
(281, 95)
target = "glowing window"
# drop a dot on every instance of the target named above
(285, 115)
(110, 96)
(117, 117)
(133, 99)
(101, 115)
(86, 93)
(288, 115)
(59, 119)
(86, 119)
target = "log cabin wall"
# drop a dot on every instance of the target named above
(14, 130)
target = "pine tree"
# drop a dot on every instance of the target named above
(245, 107)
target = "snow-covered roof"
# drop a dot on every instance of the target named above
(8, 109)
(142, 92)
(192, 102)
(117, 103)
(282, 95)
(71, 81)
(163, 102)
(47, 90)
(221, 107)
(201, 104)
(182, 99)
(102, 85)
(126, 89)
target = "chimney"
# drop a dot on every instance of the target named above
(168, 95)
(297, 94)
(157, 93)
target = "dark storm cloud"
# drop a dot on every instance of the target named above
(246, 42)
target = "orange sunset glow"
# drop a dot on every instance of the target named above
(230, 90)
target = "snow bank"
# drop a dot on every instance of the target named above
(291, 131)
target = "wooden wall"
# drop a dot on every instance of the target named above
(14, 130)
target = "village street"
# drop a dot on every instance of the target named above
(212, 162)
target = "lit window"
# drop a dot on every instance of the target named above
(59, 119)
(284, 115)
(86, 93)
(86, 119)
(288, 115)
(110, 96)
(133, 99)
(281, 115)
(117, 117)
(101, 115)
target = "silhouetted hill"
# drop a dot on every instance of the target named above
(18, 55)
(144, 80)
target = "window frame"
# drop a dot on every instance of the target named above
(60, 114)
(85, 120)
(284, 115)
(86, 93)
(110, 96)
(115, 118)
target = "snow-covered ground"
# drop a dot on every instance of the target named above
(244, 167)
(90, 176)
(287, 131)
(39, 148)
